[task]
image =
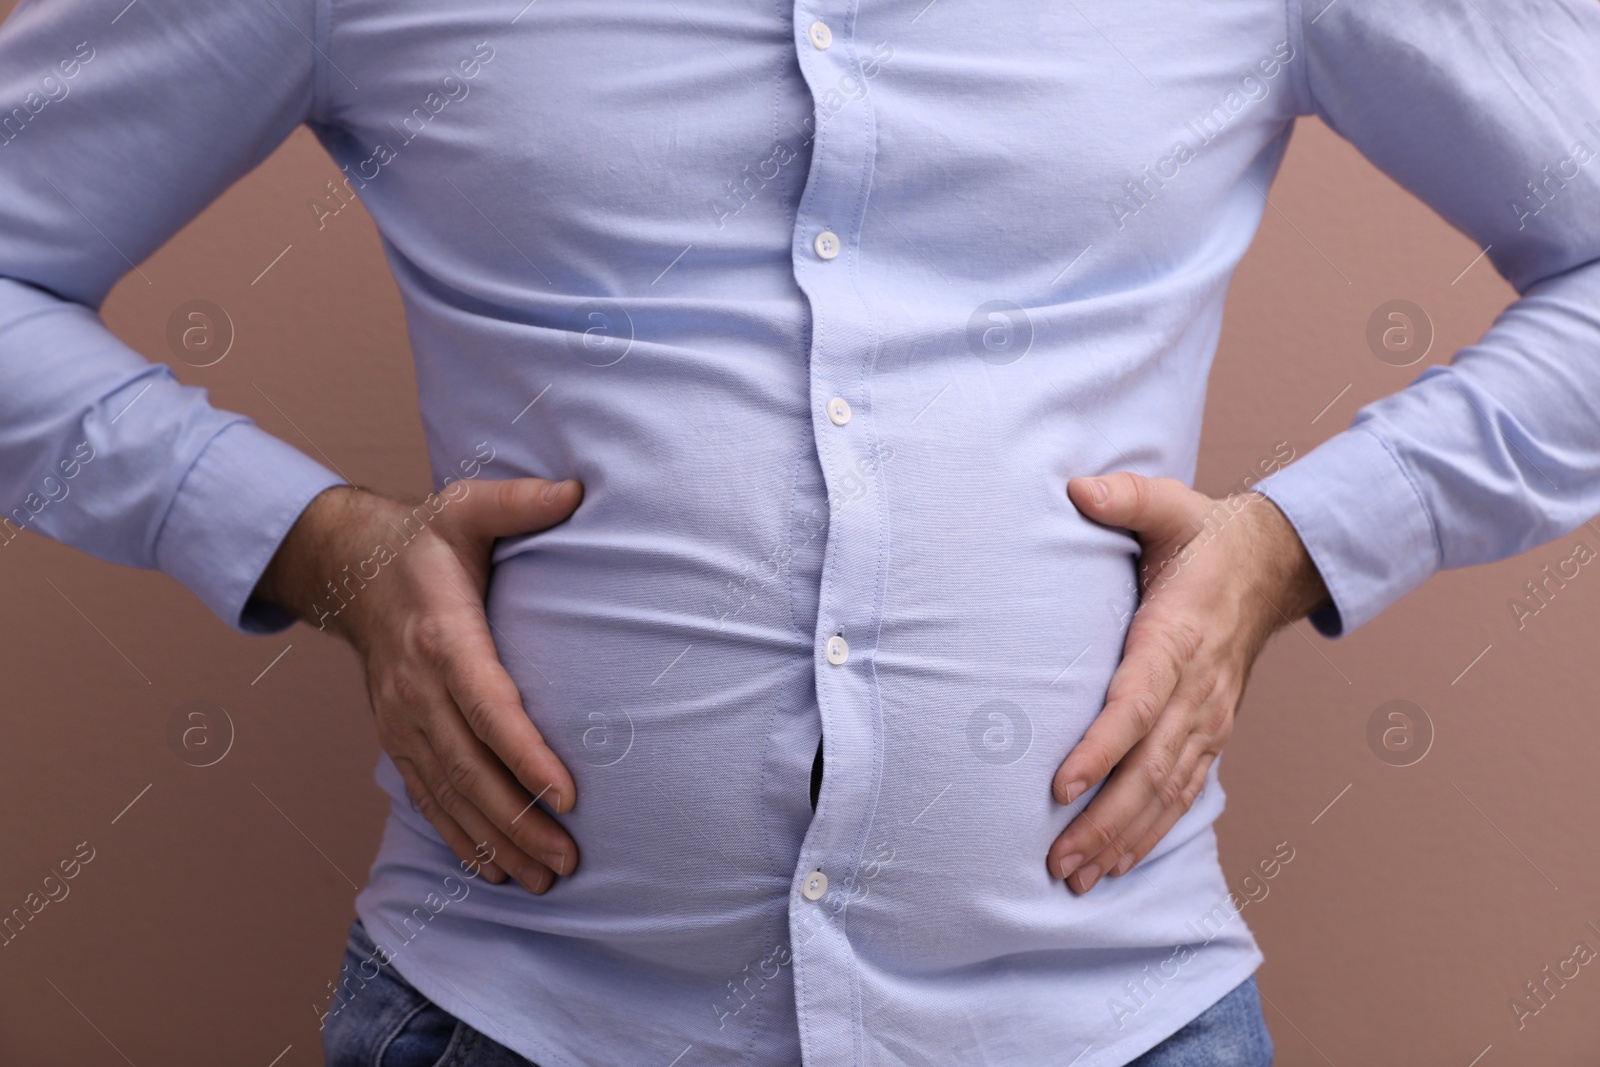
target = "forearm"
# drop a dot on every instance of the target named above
(107, 452)
(1471, 463)
(1497, 452)
(100, 448)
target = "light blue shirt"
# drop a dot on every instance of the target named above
(824, 305)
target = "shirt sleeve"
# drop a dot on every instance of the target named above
(117, 129)
(1489, 111)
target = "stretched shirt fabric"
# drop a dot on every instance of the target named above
(823, 304)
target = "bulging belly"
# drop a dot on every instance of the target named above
(667, 654)
(670, 668)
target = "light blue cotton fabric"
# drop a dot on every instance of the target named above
(649, 245)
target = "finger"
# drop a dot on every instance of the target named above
(1146, 776)
(454, 836)
(1119, 856)
(436, 775)
(471, 770)
(505, 507)
(492, 707)
(1106, 862)
(470, 784)
(1144, 681)
(1159, 510)
(1169, 818)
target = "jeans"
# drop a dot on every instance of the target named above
(1230, 1033)
(383, 1022)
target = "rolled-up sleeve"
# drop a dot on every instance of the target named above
(115, 130)
(1488, 111)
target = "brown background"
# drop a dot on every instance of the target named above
(209, 922)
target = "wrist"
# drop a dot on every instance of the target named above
(312, 569)
(1278, 567)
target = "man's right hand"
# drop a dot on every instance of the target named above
(447, 713)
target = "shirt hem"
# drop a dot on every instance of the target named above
(1203, 994)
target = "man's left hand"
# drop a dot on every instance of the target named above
(1217, 578)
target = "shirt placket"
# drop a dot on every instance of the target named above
(825, 252)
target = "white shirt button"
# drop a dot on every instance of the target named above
(836, 649)
(826, 244)
(839, 411)
(815, 885)
(820, 35)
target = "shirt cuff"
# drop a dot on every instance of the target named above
(231, 512)
(1363, 523)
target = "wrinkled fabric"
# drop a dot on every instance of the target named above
(824, 331)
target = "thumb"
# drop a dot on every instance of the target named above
(506, 507)
(1159, 510)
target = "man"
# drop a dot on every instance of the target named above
(866, 333)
